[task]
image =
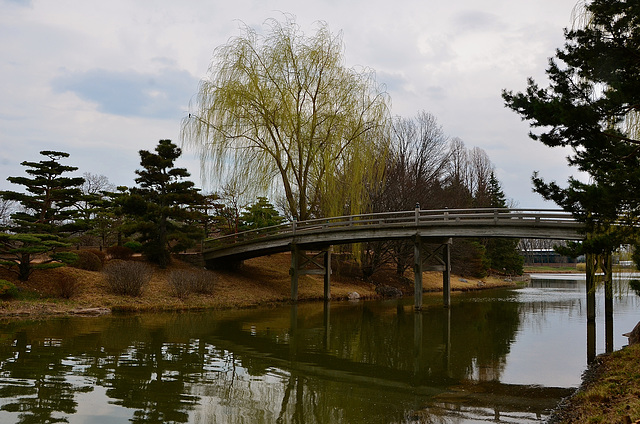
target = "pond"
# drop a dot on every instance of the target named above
(507, 355)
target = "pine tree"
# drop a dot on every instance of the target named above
(592, 105)
(18, 251)
(47, 210)
(502, 254)
(259, 215)
(164, 208)
(497, 196)
(48, 204)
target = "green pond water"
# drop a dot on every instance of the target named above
(495, 356)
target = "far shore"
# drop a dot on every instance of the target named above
(259, 282)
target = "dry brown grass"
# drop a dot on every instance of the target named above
(610, 393)
(260, 281)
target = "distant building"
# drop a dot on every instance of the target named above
(546, 256)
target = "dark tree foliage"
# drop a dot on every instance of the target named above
(592, 105)
(47, 209)
(97, 217)
(427, 169)
(165, 207)
(414, 172)
(501, 254)
(18, 253)
(48, 204)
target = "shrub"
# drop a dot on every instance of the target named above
(67, 285)
(99, 254)
(635, 285)
(180, 284)
(135, 246)
(119, 252)
(8, 289)
(185, 282)
(203, 281)
(88, 261)
(65, 257)
(388, 291)
(127, 278)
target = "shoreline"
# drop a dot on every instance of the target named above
(259, 282)
(609, 392)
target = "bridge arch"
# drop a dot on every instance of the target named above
(421, 226)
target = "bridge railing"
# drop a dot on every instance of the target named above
(403, 219)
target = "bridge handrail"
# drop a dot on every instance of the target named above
(414, 217)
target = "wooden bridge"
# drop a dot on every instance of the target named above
(425, 228)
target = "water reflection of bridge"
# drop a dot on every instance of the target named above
(431, 231)
(424, 379)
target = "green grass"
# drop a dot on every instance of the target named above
(544, 268)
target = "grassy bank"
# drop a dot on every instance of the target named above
(260, 281)
(551, 269)
(610, 392)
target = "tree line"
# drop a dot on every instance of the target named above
(278, 113)
(165, 213)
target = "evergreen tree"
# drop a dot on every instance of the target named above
(164, 207)
(18, 251)
(47, 209)
(497, 196)
(501, 254)
(259, 215)
(48, 204)
(592, 106)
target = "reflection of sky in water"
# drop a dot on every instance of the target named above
(549, 348)
(246, 375)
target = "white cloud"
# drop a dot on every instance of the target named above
(102, 80)
(162, 95)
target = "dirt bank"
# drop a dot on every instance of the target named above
(260, 281)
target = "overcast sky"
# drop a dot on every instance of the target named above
(104, 79)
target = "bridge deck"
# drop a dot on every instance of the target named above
(428, 224)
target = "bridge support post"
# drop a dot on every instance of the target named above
(591, 262)
(445, 266)
(590, 270)
(417, 272)
(304, 264)
(604, 262)
(607, 268)
(326, 260)
(446, 274)
(294, 271)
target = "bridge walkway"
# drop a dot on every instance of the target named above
(439, 227)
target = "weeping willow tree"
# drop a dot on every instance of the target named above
(592, 106)
(281, 111)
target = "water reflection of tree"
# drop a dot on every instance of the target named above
(161, 366)
(44, 393)
(150, 378)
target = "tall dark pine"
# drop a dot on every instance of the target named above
(48, 204)
(164, 206)
(592, 105)
(502, 254)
